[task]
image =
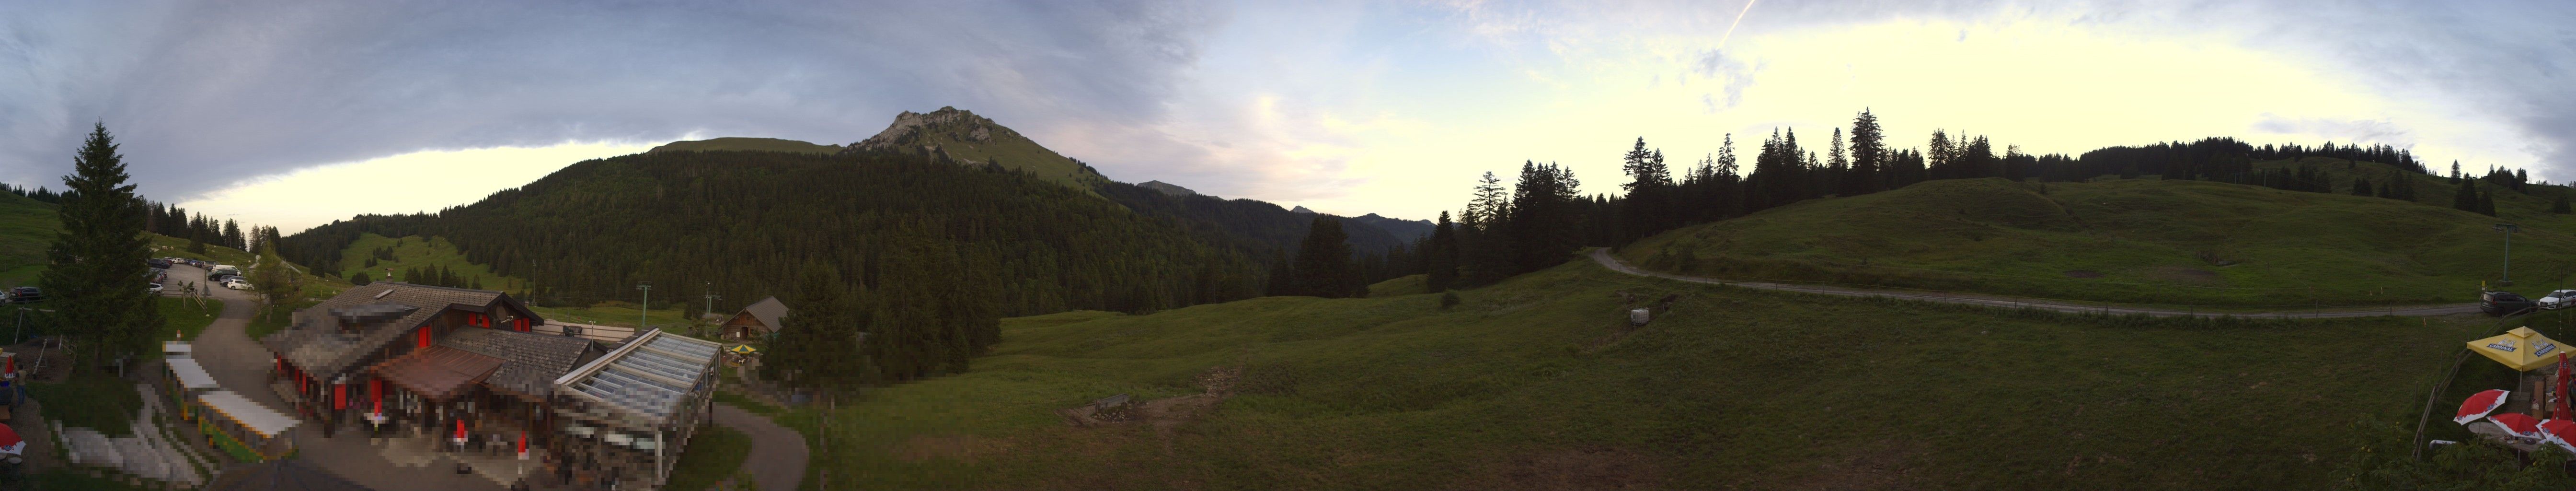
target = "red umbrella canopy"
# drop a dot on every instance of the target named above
(2518, 423)
(2479, 405)
(10, 443)
(2559, 432)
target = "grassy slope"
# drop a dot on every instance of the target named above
(714, 454)
(412, 252)
(614, 313)
(27, 227)
(436, 251)
(752, 144)
(1013, 152)
(2146, 240)
(1523, 386)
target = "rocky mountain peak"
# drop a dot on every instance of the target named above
(957, 124)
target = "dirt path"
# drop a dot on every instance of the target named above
(1603, 257)
(778, 455)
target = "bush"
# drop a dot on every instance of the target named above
(1448, 299)
(360, 279)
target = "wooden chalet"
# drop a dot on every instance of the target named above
(755, 320)
(390, 356)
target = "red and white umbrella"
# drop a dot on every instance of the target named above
(460, 431)
(2559, 432)
(10, 443)
(2479, 405)
(2519, 424)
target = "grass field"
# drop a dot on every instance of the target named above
(1407, 285)
(2133, 241)
(714, 453)
(96, 400)
(186, 317)
(410, 252)
(1533, 384)
(620, 314)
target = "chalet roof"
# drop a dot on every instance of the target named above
(649, 377)
(438, 372)
(317, 341)
(767, 311)
(530, 362)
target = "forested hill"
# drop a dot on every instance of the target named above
(749, 223)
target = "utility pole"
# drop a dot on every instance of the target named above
(711, 299)
(2508, 230)
(644, 310)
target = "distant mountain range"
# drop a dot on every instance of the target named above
(749, 216)
(963, 137)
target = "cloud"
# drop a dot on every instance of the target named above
(206, 95)
(1733, 75)
(2347, 131)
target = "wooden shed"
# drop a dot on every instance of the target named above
(755, 320)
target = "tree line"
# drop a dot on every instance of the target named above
(1539, 221)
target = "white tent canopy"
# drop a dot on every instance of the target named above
(258, 418)
(192, 376)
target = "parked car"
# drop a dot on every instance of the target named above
(2557, 299)
(158, 263)
(156, 289)
(25, 294)
(237, 284)
(2504, 303)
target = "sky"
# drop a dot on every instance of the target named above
(293, 114)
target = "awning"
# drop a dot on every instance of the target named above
(2521, 348)
(192, 376)
(437, 372)
(259, 419)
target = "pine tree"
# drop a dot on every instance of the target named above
(1283, 281)
(1643, 210)
(1441, 255)
(360, 279)
(2467, 197)
(1323, 267)
(2360, 186)
(2560, 205)
(818, 338)
(1868, 154)
(97, 260)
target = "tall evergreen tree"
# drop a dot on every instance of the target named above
(97, 261)
(1868, 154)
(1323, 267)
(1643, 211)
(818, 339)
(1440, 254)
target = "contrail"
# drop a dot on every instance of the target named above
(1739, 20)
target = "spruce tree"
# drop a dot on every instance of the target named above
(97, 261)
(1323, 267)
(2360, 186)
(1868, 154)
(1441, 254)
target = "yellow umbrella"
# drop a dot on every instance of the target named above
(2521, 348)
(742, 349)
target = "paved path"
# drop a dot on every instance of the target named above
(1602, 255)
(778, 454)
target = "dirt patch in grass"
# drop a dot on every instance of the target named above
(2083, 273)
(952, 447)
(2183, 275)
(1580, 468)
(1884, 467)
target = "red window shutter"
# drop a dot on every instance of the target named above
(339, 396)
(424, 336)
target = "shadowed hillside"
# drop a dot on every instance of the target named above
(2144, 241)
